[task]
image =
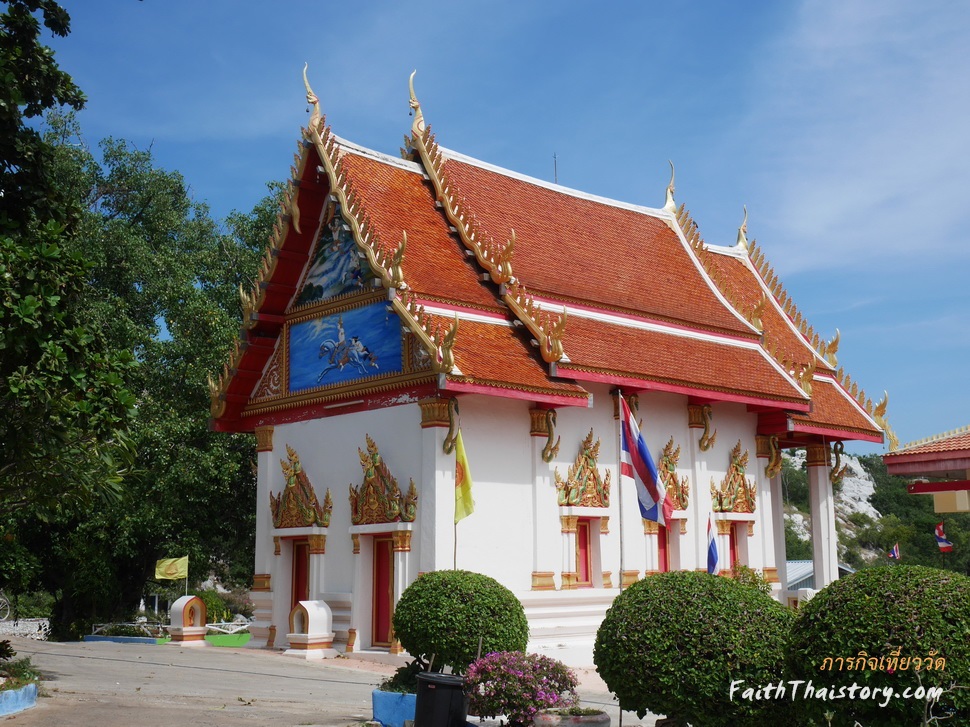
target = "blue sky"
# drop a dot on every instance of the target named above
(842, 126)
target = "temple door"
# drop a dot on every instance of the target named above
(301, 572)
(663, 551)
(584, 556)
(383, 607)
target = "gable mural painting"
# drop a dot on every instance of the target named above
(345, 346)
(336, 268)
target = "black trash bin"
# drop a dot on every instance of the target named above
(441, 701)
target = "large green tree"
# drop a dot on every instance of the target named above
(64, 407)
(164, 285)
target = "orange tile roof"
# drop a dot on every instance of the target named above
(833, 411)
(601, 256)
(398, 199)
(948, 442)
(499, 356)
(578, 248)
(682, 361)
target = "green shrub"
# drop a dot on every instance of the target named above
(404, 680)
(674, 644)
(215, 605)
(6, 650)
(750, 577)
(869, 616)
(444, 614)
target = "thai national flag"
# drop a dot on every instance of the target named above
(637, 464)
(945, 545)
(711, 548)
(894, 553)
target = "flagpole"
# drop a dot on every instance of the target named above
(454, 564)
(619, 480)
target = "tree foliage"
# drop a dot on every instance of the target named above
(673, 644)
(64, 406)
(163, 285)
(871, 616)
(911, 521)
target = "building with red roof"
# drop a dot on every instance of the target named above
(402, 297)
(939, 466)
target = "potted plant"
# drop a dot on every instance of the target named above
(571, 716)
(395, 699)
(518, 686)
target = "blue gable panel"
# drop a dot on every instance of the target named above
(347, 346)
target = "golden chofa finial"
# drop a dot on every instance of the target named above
(831, 349)
(417, 126)
(743, 231)
(669, 204)
(311, 98)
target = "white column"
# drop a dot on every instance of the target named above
(821, 500)
(264, 580)
(764, 530)
(778, 528)
(546, 528)
(437, 499)
(697, 523)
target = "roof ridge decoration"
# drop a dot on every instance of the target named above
(495, 258)
(936, 437)
(696, 243)
(437, 340)
(825, 350)
(669, 204)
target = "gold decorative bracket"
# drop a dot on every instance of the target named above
(708, 437)
(839, 470)
(773, 468)
(451, 439)
(550, 450)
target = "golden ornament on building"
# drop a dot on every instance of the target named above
(379, 499)
(297, 506)
(677, 490)
(736, 494)
(583, 485)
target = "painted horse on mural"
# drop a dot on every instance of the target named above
(341, 353)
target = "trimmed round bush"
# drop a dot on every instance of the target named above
(886, 628)
(675, 643)
(443, 614)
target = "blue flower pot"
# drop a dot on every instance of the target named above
(391, 709)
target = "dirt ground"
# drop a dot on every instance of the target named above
(120, 685)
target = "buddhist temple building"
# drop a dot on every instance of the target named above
(402, 299)
(939, 466)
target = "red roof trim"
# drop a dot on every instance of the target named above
(465, 387)
(552, 304)
(928, 488)
(564, 371)
(832, 433)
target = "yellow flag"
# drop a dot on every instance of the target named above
(464, 505)
(172, 569)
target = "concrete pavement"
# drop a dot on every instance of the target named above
(118, 685)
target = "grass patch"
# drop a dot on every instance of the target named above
(228, 639)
